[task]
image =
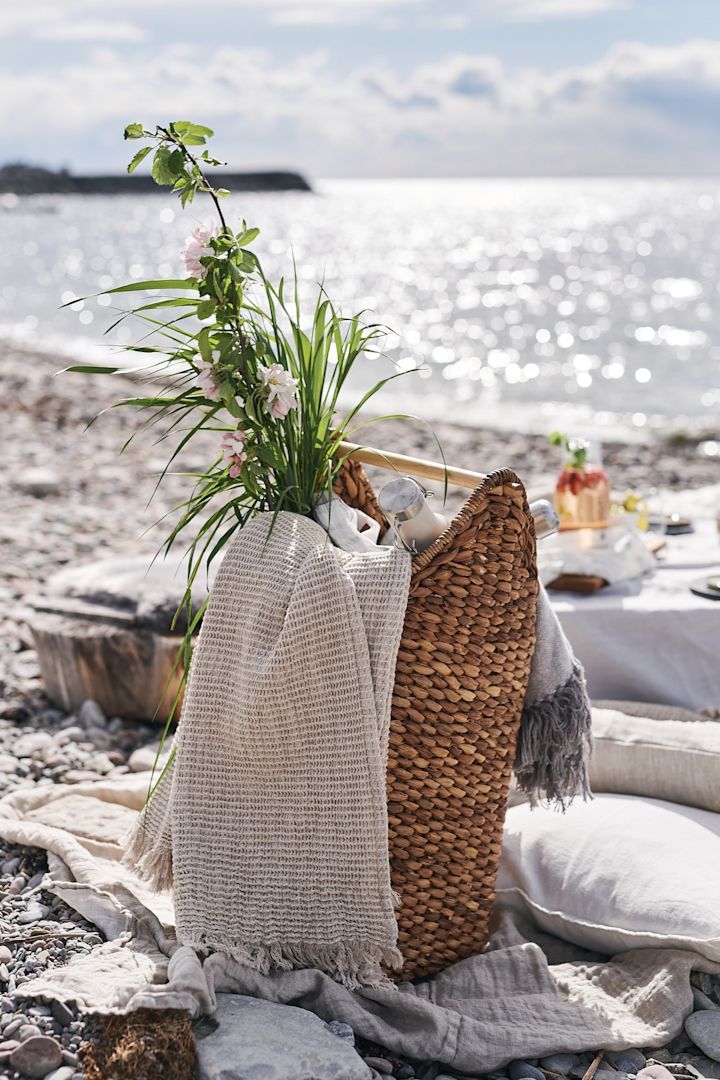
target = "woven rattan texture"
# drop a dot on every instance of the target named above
(461, 676)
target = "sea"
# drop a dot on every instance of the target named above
(519, 303)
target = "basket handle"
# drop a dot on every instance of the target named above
(425, 470)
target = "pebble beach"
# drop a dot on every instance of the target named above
(69, 496)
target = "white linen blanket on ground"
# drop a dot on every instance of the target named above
(529, 996)
(271, 820)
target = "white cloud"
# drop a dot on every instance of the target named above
(89, 30)
(554, 9)
(105, 20)
(640, 109)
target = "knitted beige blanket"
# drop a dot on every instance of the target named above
(271, 821)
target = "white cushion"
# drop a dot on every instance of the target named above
(673, 755)
(617, 873)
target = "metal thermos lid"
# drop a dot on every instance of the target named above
(402, 497)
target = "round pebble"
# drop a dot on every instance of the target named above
(379, 1065)
(704, 1030)
(65, 1072)
(522, 1070)
(36, 1057)
(627, 1061)
(561, 1063)
(5, 955)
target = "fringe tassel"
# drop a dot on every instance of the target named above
(555, 744)
(150, 860)
(356, 966)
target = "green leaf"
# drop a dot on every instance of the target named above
(176, 161)
(133, 131)
(206, 308)
(92, 369)
(140, 156)
(140, 286)
(204, 344)
(164, 168)
(247, 237)
(185, 128)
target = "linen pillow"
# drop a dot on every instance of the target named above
(616, 873)
(676, 758)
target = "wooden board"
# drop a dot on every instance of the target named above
(585, 584)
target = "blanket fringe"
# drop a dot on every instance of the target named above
(150, 860)
(356, 965)
(555, 744)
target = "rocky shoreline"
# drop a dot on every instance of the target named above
(69, 496)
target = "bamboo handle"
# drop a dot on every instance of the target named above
(426, 470)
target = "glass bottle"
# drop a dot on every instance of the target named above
(582, 491)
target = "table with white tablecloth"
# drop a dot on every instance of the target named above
(652, 639)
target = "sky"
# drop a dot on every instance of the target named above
(363, 88)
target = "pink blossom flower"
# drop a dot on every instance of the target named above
(206, 380)
(233, 451)
(197, 246)
(281, 390)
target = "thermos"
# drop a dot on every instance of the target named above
(414, 525)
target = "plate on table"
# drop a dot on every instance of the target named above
(708, 586)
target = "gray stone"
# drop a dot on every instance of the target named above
(15, 1024)
(259, 1040)
(627, 1061)
(5, 955)
(27, 1031)
(91, 715)
(36, 1057)
(343, 1031)
(79, 776)
(706, 1067)
(69, 734)
(702, 1001)
(704, 1029)
(33, 913)
(36, 879)
(143, 759)
(32, 743)
(61, 1013)
(561, 1063)
(522, 1070)
(38, 482)
(7, 764)
(65, 1072)
(380, 1065)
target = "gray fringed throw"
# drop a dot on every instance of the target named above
(271, 821)
(555, 744)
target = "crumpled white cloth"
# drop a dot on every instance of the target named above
(616, 554)
(528, 996)
(348, 528)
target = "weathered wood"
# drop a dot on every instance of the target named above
(128, 671)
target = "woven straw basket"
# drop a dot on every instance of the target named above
(461, 676)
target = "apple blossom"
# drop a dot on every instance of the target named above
(233, 451)
(197, 246)
(281, 390)
(206, 380)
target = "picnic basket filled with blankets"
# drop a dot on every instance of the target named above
(340, 772)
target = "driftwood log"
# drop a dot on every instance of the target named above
(85, 651)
